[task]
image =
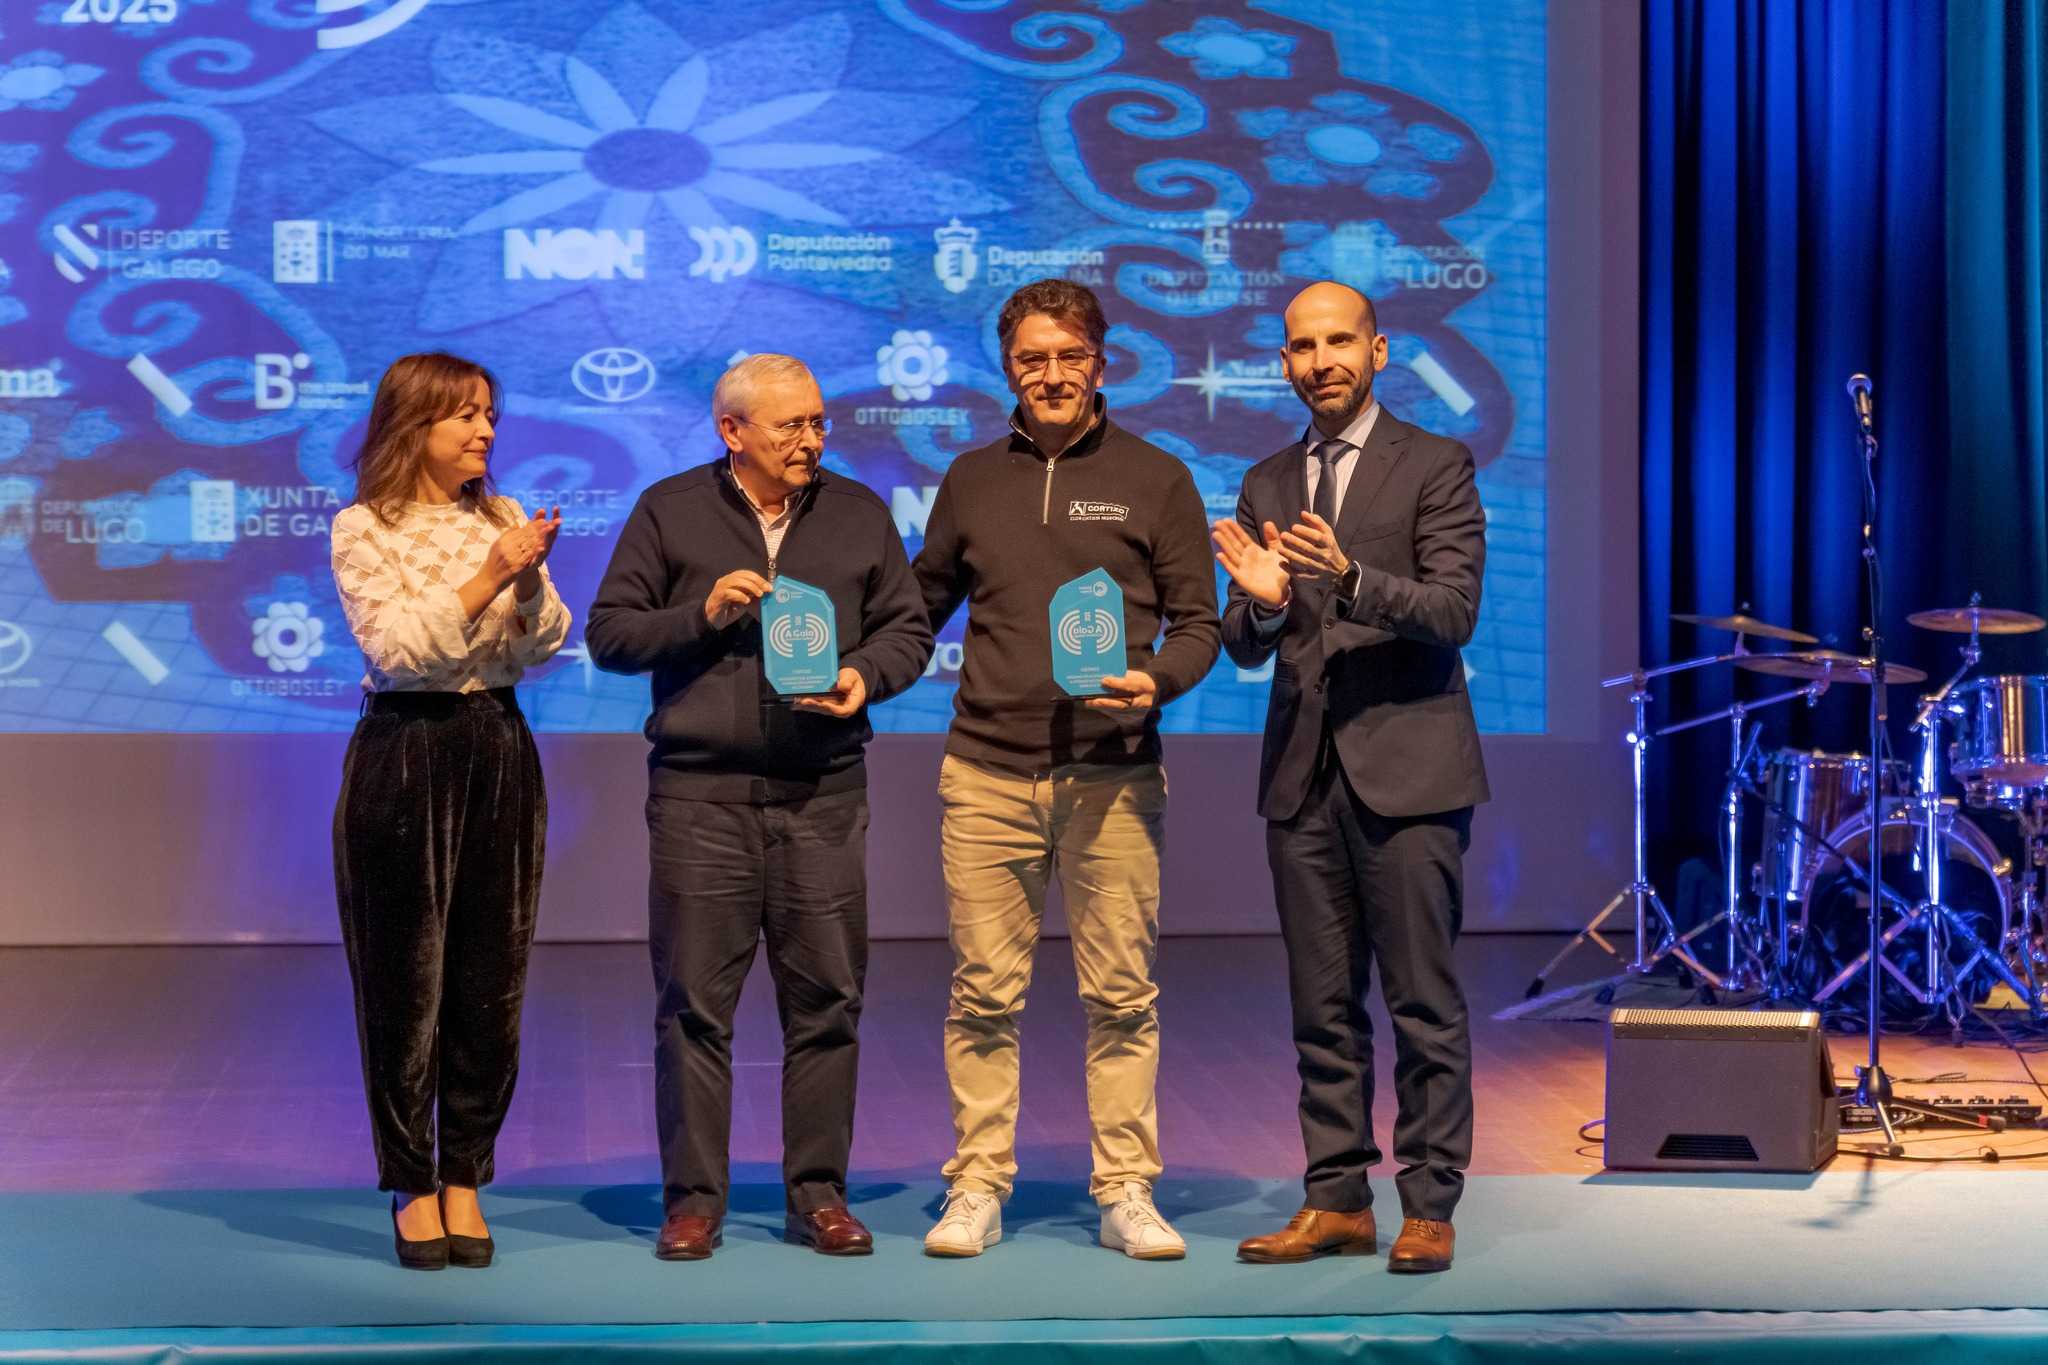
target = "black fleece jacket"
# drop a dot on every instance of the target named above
(719, 732)
(1007, 528)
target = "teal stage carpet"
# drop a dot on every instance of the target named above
(1549, 1262)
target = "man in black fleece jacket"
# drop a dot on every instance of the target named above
(757, 814)
(1036, 781)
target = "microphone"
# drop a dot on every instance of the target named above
(1859, 397)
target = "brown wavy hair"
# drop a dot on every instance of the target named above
(416, 392)
(1073, 306)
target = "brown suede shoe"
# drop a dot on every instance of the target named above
(689, 1237)
(829, 1232)
(1425, 1244)
(1312, 1233)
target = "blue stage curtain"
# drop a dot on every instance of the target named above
(1997, 353)
(1793, 234)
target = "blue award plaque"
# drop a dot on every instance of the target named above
(799, 639)
(1087, 620)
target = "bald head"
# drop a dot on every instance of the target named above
(1332, 352)
(1328, 296)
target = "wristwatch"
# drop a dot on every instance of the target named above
(1347, 583)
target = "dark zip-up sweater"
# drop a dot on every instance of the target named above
(1007, 528)
(719, 732)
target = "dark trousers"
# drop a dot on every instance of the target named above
(1354, 887)
(438, 840)
(723, 877)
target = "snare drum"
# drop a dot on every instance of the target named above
(2000, 754)
(1808, 794)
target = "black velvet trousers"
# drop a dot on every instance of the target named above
(438, 840)
(1353, 888)
(723, 878)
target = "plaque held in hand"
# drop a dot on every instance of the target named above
(799, 639)
(1087, 622)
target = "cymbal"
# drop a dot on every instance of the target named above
(1831, 665)
(1742, 623)
(1988, 620)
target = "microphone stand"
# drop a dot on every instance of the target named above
(1873, 1087)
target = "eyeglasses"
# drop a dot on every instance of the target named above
(792, 431)
(1037, 362)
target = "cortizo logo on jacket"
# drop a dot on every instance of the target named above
(1078, 510)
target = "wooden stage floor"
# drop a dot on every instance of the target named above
(236, 1067)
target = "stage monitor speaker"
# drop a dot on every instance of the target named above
(1719, 1090)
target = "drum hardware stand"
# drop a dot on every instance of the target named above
(1939, 917)
(1944, 983)
(1640, 891)
(1742, 974)
(2024, 800)
(2026, 814)
(1856, 871)
(2032, 832)
(1779, 988)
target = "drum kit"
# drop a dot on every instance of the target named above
(1840, 825)
(1961, 920)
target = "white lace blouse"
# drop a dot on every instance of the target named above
(398, 587)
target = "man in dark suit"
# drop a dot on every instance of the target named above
(1369, 774)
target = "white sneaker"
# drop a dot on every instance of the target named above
(1134, 1227)
(970, 1224)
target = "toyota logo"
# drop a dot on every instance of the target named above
(613, 374)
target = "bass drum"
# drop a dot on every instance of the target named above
(1834, 916)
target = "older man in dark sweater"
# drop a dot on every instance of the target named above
(1036, 781)
(757, 813)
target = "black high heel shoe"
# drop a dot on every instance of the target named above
(473, 1253)
(430, 1253)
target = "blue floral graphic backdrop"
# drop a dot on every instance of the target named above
(220, 218)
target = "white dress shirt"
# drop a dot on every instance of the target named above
(1353, 437)
(774, 525)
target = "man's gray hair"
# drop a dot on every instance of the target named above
(734, 395)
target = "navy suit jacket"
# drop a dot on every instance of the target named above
(1383, 670)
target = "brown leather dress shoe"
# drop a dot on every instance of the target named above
(689, 1237)
(829, 1232)
(1425, 1244)
(1312, 1233)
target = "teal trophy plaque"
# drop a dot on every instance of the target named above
(800, 639)
(1087, 620)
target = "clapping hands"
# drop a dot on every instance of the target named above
(516, 556)
(1267, 571)
(1257, 568)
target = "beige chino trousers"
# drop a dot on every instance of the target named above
(1004, 833)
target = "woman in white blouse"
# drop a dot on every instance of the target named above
(439, 832)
